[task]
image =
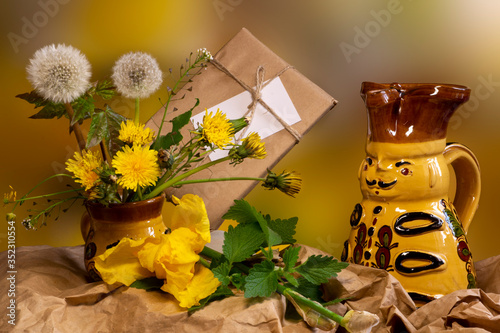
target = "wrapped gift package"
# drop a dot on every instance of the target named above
(246, 78)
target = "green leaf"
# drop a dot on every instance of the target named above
(50, 111)
(290, 258)
(238, 280)
(221, 272)
(244, 213)
(105, 125)
(307, 289)
(291, 279)
(318, 269)
(242, 241)
(262, 280)
(241, 212)
(33, 98)
(221, 292)
(105, 89)
(175, 136)
(284, 228)
(149, 283)
(83, 108)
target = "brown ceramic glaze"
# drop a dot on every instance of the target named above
(103, 227)
(427, 110)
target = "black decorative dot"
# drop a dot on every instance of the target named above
(377, 209)
(367, 255)
(371, 231)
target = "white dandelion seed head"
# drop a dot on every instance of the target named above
(59, 73)
(137, 75)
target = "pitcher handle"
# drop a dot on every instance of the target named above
(468, 178)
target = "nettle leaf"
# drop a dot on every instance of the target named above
(149, 283)
(290, 258)
(307, 289)
(242, 241)
(318, 269)
(285, 228)
(244, 213)
(105, 126)
(291, 279)
(221, 272)
(241, 212)
(262, 280)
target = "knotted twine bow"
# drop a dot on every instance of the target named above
(257, 94)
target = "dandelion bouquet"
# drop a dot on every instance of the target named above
(120, 160)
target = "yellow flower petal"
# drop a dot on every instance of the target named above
(174, 256)
(203, 284)
(83, 166)
(217, 129)
(120, 264)
(138, 167)
(135, 133)
(190, 212)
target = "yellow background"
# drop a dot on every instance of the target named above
(420, 41)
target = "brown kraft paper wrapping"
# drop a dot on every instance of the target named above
(241, 57)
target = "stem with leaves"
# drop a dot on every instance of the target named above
(76, 127)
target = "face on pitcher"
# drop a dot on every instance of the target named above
(384, 176)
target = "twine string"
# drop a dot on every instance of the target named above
(257, 94)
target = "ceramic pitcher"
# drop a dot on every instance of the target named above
(407, 221)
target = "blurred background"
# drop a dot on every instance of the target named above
(336, 44)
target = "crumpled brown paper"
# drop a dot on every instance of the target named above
(51, 282)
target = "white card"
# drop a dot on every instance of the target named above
(263, 122)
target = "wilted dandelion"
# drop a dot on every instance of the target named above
(136, 75)
(59, 73)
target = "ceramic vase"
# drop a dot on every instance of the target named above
(408, 223)
(104, 226)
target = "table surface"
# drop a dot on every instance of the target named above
(51, 293)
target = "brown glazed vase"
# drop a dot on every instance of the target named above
(103, 227)
(407, 222)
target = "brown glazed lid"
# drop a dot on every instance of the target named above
(410, 112)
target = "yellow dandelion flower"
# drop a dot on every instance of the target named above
(135, 133)
(9, 197)
(138, 167)
(217, 129)
(83, 166)
(287, 182)
(251, 147)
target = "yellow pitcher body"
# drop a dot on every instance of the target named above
(406, 222)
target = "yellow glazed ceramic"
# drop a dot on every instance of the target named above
(104, 226)
(406, 222)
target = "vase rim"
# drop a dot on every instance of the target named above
(128, 211)
(126, 204)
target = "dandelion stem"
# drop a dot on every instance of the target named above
(48, 195)
(196, 181)
(175, 180)
(104, 152)
(287, 292)
(76, 127)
